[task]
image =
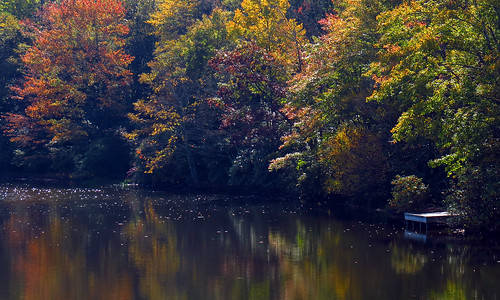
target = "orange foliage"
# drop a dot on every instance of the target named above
(75, 68)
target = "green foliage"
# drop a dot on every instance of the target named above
(408, 193)
(174, 121)
(233, 93)
(21, 9)
(438, 63)
(335, 137)
(10, 37)
(140, 42)
(474, 197)
(231, 5)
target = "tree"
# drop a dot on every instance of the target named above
(336, 142)
(172, 121)
(309, 13)
(21, 9)
(10, 37)
(438, 62)
(76, 78)
(265, 22)
(140, 42)
(11, 44)
(252, 85)
(173, 18)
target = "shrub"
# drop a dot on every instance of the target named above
(408, 192)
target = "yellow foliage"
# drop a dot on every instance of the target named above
(155, 120)
(354, 159)
(265, 22)
(172, 17)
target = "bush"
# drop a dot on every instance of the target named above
(474, 197)
(106, 157)
(408, 192)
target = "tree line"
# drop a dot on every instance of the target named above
(371, 102)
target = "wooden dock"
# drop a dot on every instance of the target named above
(427, 218)
(435, 217)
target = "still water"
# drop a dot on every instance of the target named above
(113, 243)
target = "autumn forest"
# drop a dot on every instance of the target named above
(370, 103)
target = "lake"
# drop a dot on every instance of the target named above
(124, 243)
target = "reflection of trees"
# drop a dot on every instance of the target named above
(50, 263)
(236, 264)
(314, 266)
(184, 260)
(340, 264)
(452, 291)
(54, 259)
(152, 247)
(406, 260)
(49, 266)
(139, 254)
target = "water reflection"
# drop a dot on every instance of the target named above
(125, 244)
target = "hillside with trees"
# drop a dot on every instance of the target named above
(372, 103)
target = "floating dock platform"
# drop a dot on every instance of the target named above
(435, 217)
(427, 218)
